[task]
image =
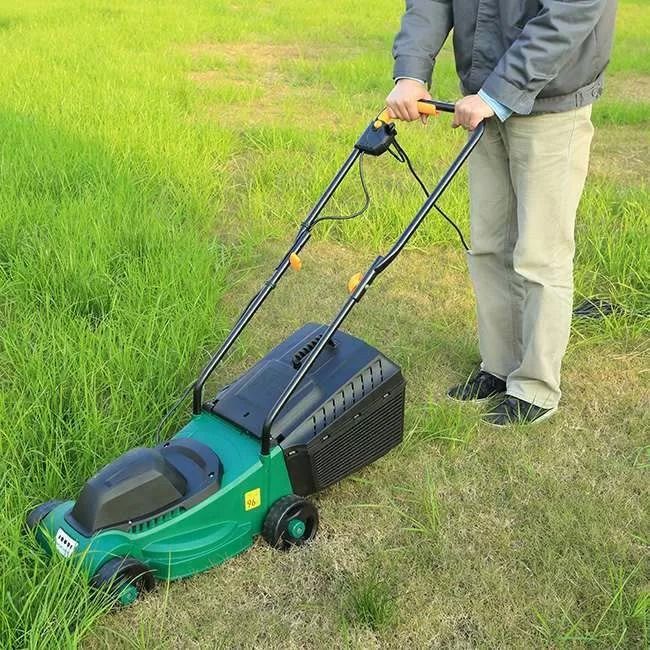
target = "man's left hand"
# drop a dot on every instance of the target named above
(470, 112)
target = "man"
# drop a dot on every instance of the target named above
(531, 69)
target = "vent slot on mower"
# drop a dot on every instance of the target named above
(345, 440)
(359, 443)
(353, 391)
(298, 357)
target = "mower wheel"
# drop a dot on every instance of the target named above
(291, 521)
(124, 578)
(36, 516)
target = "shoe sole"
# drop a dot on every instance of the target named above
(541, 418)
(476, 400)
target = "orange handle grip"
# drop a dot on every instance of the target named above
(423, 108)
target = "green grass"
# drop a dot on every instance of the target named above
(370, 601)
(154, 160)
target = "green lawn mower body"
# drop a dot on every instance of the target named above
(175, 540)
(318, 407)
(192, 502)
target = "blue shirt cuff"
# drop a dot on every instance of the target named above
(424, 83)
(501, 111)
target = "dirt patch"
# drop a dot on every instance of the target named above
(271, 107)
(630, 87)
(259, 67)
(621, 153)
(209, 77)
(268, 53)
(419, 283)
(264, 53)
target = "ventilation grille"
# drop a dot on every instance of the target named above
(362, 443)
(155, 521)
(296, 360)
(352, 392)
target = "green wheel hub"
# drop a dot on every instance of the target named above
(291, 521)
(128, 595)
(125, 578)
(296, 528)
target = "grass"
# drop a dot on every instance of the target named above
(153, 161)
(370, 601)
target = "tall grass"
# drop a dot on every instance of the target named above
(110, 274)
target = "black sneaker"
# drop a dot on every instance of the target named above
(480, 387)
(513, 410)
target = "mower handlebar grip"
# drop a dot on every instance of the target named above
(425, 107)
(431, 106)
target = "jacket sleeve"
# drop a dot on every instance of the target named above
(425, 27)
(543, 47)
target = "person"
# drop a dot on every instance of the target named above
(531, 70)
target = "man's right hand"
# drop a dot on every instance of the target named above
(402, 100)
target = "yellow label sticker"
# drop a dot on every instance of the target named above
(252, 499)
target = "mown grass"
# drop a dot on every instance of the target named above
(153, 160)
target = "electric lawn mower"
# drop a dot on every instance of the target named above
(318, 407)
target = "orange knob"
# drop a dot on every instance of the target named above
(295, 262)
(353, 282)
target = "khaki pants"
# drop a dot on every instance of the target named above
(526, 178)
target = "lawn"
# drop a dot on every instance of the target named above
(155, 159)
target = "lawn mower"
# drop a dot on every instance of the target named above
(318, 407)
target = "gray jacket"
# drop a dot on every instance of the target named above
(530, 55)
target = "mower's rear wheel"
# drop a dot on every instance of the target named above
(291, 521)
(124, 578)
(36, 516)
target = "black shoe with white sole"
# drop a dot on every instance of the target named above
(477, 388)
(513, 410)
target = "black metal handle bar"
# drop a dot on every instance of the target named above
(379, 265)
(301, 239)
(438, 191)
(303, 236)
(445, 107)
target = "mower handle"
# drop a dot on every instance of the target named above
(382, 126)
(379, 265)
(425, 107)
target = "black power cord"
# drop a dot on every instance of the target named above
(358, 213)
(402, 156)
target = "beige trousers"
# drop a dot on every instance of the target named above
(526, 178)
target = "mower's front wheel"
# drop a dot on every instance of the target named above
(291, 521)
(124, 578)
(36, 516)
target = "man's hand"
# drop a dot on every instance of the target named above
(470, 112)
(403, 100)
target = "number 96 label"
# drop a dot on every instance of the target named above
(252, 499)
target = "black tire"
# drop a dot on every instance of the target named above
(122, 572)
(276, 524)
(36, 516)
